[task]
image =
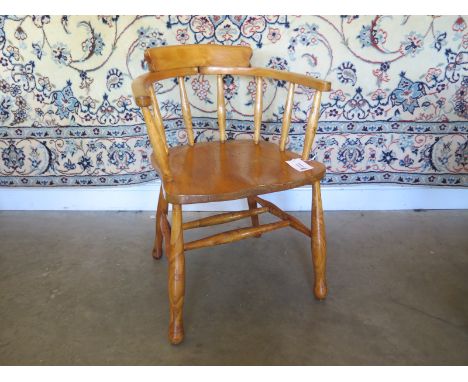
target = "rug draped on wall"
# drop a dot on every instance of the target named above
(397, 112)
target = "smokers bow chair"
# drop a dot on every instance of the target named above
(225, 170)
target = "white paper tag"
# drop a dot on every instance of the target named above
(299, 165)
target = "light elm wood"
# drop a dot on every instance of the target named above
(312, 124)
(161, 210)
(252, 207)
(274, 210)
(319, 243)
(187, 114)
(237, 169)
(158, 120)
(234, 235)
(258, 108)
(157, 142)
(176, 282)
(281, 75)
(221, 108)
(225, 170)
(141, 85)
(166, 232)
(287, 116)
(178, 56)
(224, 218)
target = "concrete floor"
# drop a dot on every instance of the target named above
(80, 288)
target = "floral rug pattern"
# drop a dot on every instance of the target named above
(397, 112)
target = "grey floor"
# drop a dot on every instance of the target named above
(81, 288)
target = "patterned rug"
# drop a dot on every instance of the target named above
(397, 112)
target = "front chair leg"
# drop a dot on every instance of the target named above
(160, 213)
(176, 277)
(319, 243)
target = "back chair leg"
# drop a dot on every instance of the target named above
(319, 244)
(176, 277)
(158, 239)
(253, 204)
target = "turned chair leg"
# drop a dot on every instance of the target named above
(176, 277)
(319, 244)
(253, 204)
(158, 239)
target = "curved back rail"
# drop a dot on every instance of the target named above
(182, 61)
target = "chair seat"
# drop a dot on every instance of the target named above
(215, 171)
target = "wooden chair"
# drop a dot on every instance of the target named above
(224, 170)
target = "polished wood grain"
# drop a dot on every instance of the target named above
(287, 116)
(166, 232)
(294, 222)
(281, 75)
(176, 282)
(312, 124)
(161, 210)
(319, 243)
(158, 120)
(224, 218)
(252, 207)
(221, 108)
(179, 56)
(237, 169)
(157, 142)
(186, 112)
(141, 85)
(234, 235)
(258, 108)
(225, 170)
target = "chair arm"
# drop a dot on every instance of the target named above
(141, 84)
(300, 79)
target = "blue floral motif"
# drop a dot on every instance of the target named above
(61, 54)
(106, 113)
(24, 75)
(366, 35)
(2, 32)
(5, 106)
(388, 157)
(412, 45)
(230, 88)
(85, 162)
(278, 63)
(347, 73)
(114, 79)
(457, 64)
(440, 40)
(461, 154)
(150, 38)
(65, 101)
(357, 107)
(306, 35)
(121, 155)
(13, 157)
(351, 153)
(407, 161)
(94, 44)
(228, 29)
(407, 94)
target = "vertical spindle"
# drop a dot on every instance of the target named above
(312, 123)
(258, 109)
(287, 116)
(186, 110)
(221, 109)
